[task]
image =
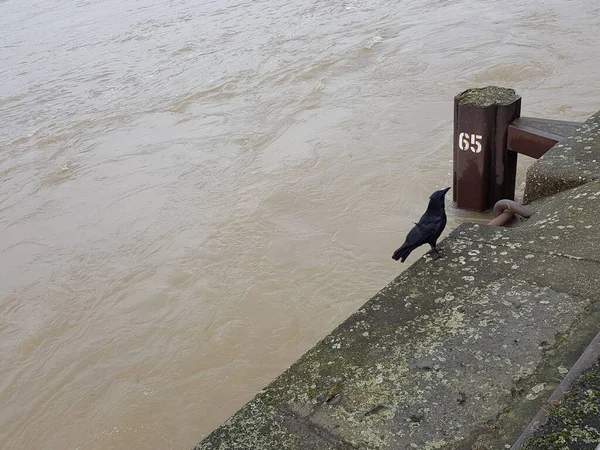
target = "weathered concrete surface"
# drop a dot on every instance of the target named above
(455, 353)
(556, 128)
(487, 96)
(575, 424)
(574, 161)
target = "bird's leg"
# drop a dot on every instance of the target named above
(434, 251)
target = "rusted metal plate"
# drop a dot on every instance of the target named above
(505, 162)
(473, 140)
(534, 137)
(484, 171)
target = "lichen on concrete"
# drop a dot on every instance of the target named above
(575, 423)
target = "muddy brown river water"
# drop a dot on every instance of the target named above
(193, 193)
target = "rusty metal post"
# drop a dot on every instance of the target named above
(484, 170)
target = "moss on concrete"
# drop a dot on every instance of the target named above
(487, 96)
(574, 424)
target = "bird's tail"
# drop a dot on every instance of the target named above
(402, 252)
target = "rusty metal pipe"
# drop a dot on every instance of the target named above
(505, 209)
(502, 219)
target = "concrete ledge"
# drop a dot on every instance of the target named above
(574, 161)
(556, 129)
(454, 353)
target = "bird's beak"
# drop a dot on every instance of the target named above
(446, 190)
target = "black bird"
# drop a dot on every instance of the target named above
(428, 229)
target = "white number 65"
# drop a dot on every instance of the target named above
(469, 142)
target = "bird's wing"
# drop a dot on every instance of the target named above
(423, 231)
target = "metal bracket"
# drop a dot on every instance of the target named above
(534, 137)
